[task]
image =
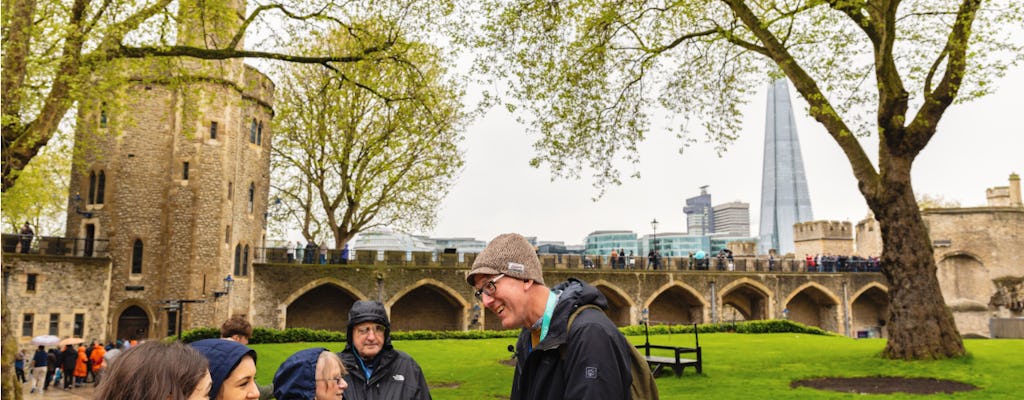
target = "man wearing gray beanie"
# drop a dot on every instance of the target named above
(589, 360)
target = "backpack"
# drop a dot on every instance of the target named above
(643, 386)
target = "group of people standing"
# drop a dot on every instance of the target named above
(368, 368)
(74, 366)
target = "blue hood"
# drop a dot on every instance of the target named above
(296, 378)
(223, 355)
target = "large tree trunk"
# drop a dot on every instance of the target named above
(920, 326)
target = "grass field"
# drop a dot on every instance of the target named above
(736, 366)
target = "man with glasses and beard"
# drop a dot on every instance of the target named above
(376, 371)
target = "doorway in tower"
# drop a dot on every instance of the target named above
(133, 323)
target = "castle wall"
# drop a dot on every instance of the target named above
(65, 286)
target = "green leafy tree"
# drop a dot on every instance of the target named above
(42, 196)
(588, 72)
(58, 53)
(364, 145)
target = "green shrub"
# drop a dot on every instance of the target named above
(295, 335)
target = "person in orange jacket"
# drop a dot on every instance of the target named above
(97, 361)
(80, 369)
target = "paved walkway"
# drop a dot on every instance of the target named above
(81, 393)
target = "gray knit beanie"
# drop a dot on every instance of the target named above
(509, 254)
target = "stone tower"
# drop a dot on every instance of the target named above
(784, 197)
(173, 176)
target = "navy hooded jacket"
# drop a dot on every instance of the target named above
(223, 355)
(296, 378)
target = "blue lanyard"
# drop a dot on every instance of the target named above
(548, 310)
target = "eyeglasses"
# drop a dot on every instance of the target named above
(336, 380)
(378, 329)
(489, 288)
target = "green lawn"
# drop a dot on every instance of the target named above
(736, 366)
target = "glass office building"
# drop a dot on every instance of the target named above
(601, 243)
(784, 197)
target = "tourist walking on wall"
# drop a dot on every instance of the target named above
(26, 237)
(376, 370)
(589, 361)
(310, 374)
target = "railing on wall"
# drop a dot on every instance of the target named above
(54, 246)
(283, 255)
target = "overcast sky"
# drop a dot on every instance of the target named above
(977, 147)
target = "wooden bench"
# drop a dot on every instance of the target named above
(678, 363)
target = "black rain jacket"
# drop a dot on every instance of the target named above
(396, 377)
(592, 361)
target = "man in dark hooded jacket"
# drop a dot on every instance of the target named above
(376, 371)
(589, 361)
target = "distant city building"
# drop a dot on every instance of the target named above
(461, 245)
(732, 218)
(676, 244)
(700, 218)
(784, 196)
(603, 242)
(383, 240)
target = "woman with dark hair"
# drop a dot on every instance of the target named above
(232, 367)
(157, 371)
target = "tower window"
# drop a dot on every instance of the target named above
(259, 134)
(252, 195)
(30, 282)
(103, 115)
(137, 257)
(252, 131)
(238, 259)
(184, 170)
(92, 188)
(227, 234)
(26, 325)
(245, 262)
(231, 190)
(101, 186)
(79, 325)
(213, 129)
(54, 324)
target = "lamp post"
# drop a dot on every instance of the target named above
(654, 246)
(178, 305)
(228, 283)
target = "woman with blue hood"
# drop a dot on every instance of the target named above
(232, 367)
(310, 374)
(376, 370)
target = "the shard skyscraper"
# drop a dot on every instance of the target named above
(784, 198)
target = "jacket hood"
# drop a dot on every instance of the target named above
(223, 355)
(368, 311)
(296, 378)
(575, 293)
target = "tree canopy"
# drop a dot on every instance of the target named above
(57, 53)
(365, 145)
(588, 73)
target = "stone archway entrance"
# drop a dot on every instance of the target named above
(870, 311)
(426, 307)
(676, 305)
(813, 307)
(618, 307)
(749, 301)
(133, 323)
(324, 307)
